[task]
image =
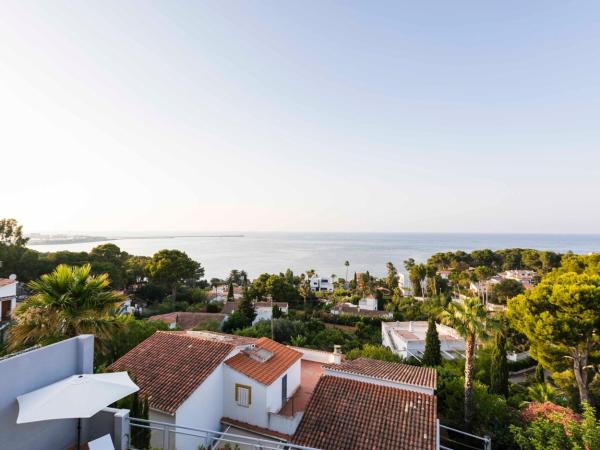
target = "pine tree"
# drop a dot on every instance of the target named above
(499, 366)
(432, 356)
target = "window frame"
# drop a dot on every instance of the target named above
(237, 396)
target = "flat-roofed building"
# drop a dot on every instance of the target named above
(407, 339)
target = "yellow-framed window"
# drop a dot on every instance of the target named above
(243, 394)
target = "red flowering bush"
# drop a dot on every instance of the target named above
(550, 411)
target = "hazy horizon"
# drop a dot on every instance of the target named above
(265, 116)
(166, 233)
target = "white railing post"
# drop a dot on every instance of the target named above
(488, 442)
(165, 437)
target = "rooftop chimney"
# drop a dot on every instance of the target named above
(337, 354)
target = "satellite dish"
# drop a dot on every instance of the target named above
(12, 277)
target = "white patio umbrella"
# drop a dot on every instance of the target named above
(76, 397)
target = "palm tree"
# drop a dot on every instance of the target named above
(65, 303)
(470, 320)
(543, 392)
(347, 264)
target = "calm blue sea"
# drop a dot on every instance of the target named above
(326, 252)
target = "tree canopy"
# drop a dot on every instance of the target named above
(560, 318)
(171, 267)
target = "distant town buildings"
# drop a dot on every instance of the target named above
(407, 339)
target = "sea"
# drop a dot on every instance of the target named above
(326, 253)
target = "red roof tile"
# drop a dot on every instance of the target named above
(216, 336)
(188, 320)
(229, 307)
(349, 414)
(355, 311)
(391, 371)
(265, 372)
(255, 429)
(267, 304)
(169, 367)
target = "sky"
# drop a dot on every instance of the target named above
(462, 116)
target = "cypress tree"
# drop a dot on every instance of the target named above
(140, 437)
(499, 366)
(432, 356)
(230, 291)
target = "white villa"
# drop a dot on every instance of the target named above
(321, 284)
(264, 310)
(261, 389)
(369, 303)
(407, 339)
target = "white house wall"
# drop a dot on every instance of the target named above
(263, 314)
(10, 290)
(265, 399)
(274, 403)
(203, 409)
(256, 413)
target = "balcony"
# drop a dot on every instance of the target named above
(166, 436)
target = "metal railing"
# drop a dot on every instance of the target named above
(473, 442)
(167, 436)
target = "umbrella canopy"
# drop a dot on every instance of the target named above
(79, 396)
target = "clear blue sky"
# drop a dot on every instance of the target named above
(305, 115)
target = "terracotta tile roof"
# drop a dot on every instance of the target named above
(6, 281)
(167, 318)
(229, 307)
(349, 414)
(256, 429)
(354, 311)
(188, 320)
(215, 336)
(265, 372)
(391, 371)
(267, 304)
(168, 367)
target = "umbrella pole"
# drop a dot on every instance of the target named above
(79, 434)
